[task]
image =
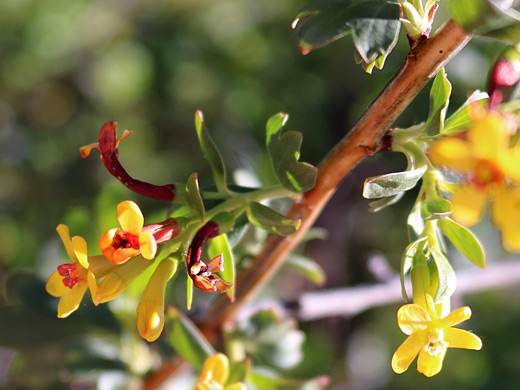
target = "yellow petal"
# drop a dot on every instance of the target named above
(70, 301)
(489, 137)
(130, 217)
(79, 246)
(455, 317)
(510, 164)
(407, 351)
(469, 203)
(105, 243)
(93, 287)
(216, 367)
(55, 285)
(452, 153)
(460, 338)
(510, 233)
(147, 245)
(63, 231)
(236, 386)
(412, 318)
(429, 365)
(150, 311)
(503, 206)
(100, 266)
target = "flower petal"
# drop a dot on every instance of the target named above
(429, 365)
(216, 367)
(122, 255)
(455, 317)
(93, 287)
(147, 245)
(412, 318)
(70, 301)
(79, 246)
(460, 338)
(55, 285)
(63, 231)
(100, 266)
(407, 351)
(130, 217)
(469, 203)
(452, 153)
(489, 138)
(511, 165)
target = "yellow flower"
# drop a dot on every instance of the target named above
(215, 373)
(150, 311)
(484, 156)
(430, 336)
(505, 214)
(120, 245)
(70, 281)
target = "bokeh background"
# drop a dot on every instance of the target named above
(66, 67)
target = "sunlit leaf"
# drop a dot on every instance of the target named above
(415, 223)
(266, 379)
(380, 204)
(461, 119)
(220, 245)
(464, 240)
(306, 267)
(436, 209)
(266, 218)
(439, 100)
(447, 279)
(407, 260)
(391, 183)
(193, 196)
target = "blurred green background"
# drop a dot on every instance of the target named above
(68, 66)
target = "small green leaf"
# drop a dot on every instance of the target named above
(266, 218)
(267, 379)
(415, 222)
(374, 25)
(407, 260)
(211, 153)
(464, 240)
(439, 100)
(193, 196)
(436, 209)
(380, 204)
(489, 18)
(220, 245)
(306, 267)
(447, 279)
(186, 339)
(284, 150)
(239, 371)
(460, 119)
(391, 183)
(189, 291)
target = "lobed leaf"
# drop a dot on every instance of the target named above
(193, 196)
(220, 245)
(374, 25)
(391, 183)
(187, 340)
(211, 153)
(284, 150)
(464, 240)
(266, 218)
(439, 100)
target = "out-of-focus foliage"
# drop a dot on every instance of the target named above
(67, 67)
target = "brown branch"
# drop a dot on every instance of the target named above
(421, 65)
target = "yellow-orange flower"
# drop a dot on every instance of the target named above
(120, 245)
(486, 159)
(70, 281)
(215, 373)
(430, 337)
(505, 214)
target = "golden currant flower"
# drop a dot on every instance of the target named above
(70, 281)
(505, 214)
(215, 373)
(484, 156)
(430, 336)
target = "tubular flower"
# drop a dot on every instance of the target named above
(120, 245)
(215, 373)
(70, 281)
(204, 275)
(107, 147)
(485, 158)
(429, 337)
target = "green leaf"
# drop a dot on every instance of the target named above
(266, 218)
(391, 183)
(461, 119)
(186, 339)
(374, 25)
(220, 245)
(306, 267)
(407, 261)
(267, 379)
(239, 371)
(464, 240)
(439, 100)
(211, 153)
(415, 222)
(193, 196)
(489, 18)
(284, 150)
(380, 204)
(447, 280)
(436, 209)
